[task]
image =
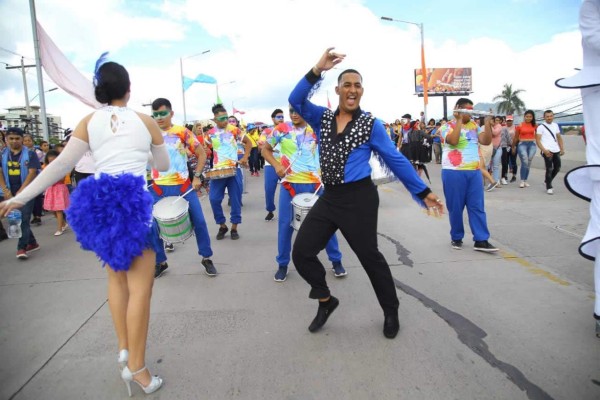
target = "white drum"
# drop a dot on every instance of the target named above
(302, 203)
(380, 173)
(173, 219)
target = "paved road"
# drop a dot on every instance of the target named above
(514, 325)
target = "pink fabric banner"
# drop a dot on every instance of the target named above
(63, 73)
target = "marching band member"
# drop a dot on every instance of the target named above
(299, 169)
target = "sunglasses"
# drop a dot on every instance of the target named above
(293, 112)
(279, 117)
(222, 118)
(160, 114)
(232, 121)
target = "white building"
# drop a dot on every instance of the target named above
(17, 117)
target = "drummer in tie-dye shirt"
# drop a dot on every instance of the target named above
(224, 139)
(299, 171)
(176, 181)
(463, 184)
(270, 177)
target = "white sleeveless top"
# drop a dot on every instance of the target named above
(119, 141)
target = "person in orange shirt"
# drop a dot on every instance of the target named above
(524, 145)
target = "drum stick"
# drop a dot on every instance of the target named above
(182, 196)
(316, 191)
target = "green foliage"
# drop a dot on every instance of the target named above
(510, 101)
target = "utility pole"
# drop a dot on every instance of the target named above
(22, 67)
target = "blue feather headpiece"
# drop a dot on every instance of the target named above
(100, 62)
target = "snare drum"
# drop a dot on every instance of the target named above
(173, 219)
(302, 203)
(220, 173)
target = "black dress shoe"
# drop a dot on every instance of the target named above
(391, 326)
(323, 313)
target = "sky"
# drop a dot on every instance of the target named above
(260, 49)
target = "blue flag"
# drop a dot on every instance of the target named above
(200, 78)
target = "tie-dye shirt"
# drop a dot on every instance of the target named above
(177, 139)
(225, 146)
(465, 155)
(299, 153)
(265, 137)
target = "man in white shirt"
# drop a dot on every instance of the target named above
(550, 143)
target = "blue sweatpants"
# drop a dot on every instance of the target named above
(271, 179)
(285, 230)
(234, 185)
(196, 216)
(465, 189)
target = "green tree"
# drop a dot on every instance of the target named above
(510, 101)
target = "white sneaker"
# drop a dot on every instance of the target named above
(522, 184)
(504, 182)
(526, 184)
(550, 191)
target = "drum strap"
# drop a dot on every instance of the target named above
(183, 189)
(288, 186)
(157, 189)
(185, 186)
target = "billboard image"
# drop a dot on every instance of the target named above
(444, 80)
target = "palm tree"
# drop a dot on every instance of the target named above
(510, 101)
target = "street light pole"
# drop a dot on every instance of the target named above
(182, 87)
(423, 67)
(49, 90)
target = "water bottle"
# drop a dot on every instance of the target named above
(14, 224)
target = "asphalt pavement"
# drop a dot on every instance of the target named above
(512, 325)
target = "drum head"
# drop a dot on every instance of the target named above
(168, 208)
(304, 200)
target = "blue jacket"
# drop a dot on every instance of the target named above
(355, 151)
(25, 155)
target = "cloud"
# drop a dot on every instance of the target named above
(271, 44)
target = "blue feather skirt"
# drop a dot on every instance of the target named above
(112, 216)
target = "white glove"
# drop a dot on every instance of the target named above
(159, 158)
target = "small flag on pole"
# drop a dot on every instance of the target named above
(236, 111)
(200, 78)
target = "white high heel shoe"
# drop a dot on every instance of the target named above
(123, 358)
(152, 387)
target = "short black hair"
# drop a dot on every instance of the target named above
(218, 108)
(548, 111)
(348, 71)
(161, 101)
(13, 130)
(112, 82)
(43, 141)
(462, 101)
(407, 116)
(276, 111)
(51, 153)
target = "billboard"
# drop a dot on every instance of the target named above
(444, 80)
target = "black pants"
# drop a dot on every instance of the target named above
(509, 161)
(79, 176)
(352, 208)
(254, 167)
(38, 206)
(552, 168)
